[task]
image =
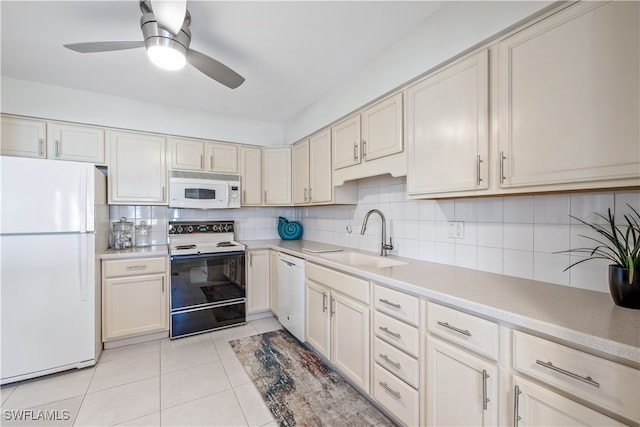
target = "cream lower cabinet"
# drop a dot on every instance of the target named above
(337, 326)
(535, 405)
(258, 289)
(462, 389)
(568, 100)
(134, 297)
(137, 169)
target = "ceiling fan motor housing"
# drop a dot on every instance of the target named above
(155, 35)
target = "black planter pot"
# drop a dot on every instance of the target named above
(623, 293)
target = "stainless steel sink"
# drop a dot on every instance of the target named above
(357, 259)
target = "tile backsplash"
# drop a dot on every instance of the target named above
(515, 235)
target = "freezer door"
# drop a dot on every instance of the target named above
(48, 303)
(46, 196)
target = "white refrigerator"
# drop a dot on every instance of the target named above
(53, 224)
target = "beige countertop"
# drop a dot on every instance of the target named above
(136, 252)
(585, 319)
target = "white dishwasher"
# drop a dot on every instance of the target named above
(291, 294)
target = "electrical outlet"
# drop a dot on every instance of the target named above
(456, 230)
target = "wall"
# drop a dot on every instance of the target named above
(516, 236)
(58, 103)
(452, 29)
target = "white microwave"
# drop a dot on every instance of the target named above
(202, 190)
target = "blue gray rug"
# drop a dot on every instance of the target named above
(299, 388)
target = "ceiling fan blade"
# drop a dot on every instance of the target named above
(169, 13)
(214, 69)
(91, 47)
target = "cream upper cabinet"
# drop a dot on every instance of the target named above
(447, 129)
(312, 169)
(250, 169)
(382, 129)
(23, 137)
(276, 176)
(52, 140)
(201, 155)
(568, 100)
(222, 157)
(300, 172)
(137, 169)
(534, 405)
(375, 132)
(258, 291)
(187, 154)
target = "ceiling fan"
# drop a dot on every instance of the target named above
(165, 28)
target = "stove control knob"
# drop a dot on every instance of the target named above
(227, 227)
(214, 227)
(179, 229)
(190, 229)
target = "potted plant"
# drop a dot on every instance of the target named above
(620, 245)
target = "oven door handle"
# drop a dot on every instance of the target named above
(208, 255)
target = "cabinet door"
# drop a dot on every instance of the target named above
(276, 176)
(537, 406)
(77, 143)
(134, 305)
(350, 339)
(300, 172)
(23, 137)
(258, 281)
(320, 187)
(222, 157)
(273, 282)
(138, 171)
(251, 175)
(448, 146)
(187, 154)
(461, 389)
(345, 140)
(382, 129)
(568, 98)
(318, 321)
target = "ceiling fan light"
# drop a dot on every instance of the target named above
(166, 57)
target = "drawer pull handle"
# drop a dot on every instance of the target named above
(389, 361)
(385, 386)
(386, 301)
(324, 302)
(136, 267)
(464, 332)
(550, 365)
(516, 404)
(393, 334)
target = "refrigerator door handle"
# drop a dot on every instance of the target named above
(83, 270)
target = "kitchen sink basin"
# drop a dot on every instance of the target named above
(357, 259)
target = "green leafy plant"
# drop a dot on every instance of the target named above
(622, 247)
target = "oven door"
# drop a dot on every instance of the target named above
(207, 292)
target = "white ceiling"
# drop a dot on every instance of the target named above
(290, 52)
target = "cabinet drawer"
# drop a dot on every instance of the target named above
(608, 384)
(470, 331)
(400, 364)
(348, 285)
(397, 304)
(397, 397)
(135, 266)
(401, 335)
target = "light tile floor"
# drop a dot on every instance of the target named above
(193, 381)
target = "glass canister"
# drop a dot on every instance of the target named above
(122, 234)
(143, 234)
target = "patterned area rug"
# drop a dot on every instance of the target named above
(299, 388)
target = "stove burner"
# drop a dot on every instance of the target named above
(225, 244)
(183, 247)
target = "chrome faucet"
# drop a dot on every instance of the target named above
(383, 247)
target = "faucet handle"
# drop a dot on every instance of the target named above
(388, 247)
